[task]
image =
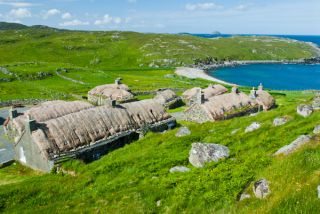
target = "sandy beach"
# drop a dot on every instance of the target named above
(194, 73)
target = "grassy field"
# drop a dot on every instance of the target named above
(134, 178)
(32, 56)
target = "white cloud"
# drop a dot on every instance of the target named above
(19, 13)
(74, 22)
(107, 19)
(66, 16)
(17, 3)
(242, 7)
(202, 6)
(51, 12)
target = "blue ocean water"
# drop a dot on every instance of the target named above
(314, 39)
(273, 76)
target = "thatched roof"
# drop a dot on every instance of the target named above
(210, 91)
(219, 105)
(165, 96)
(265, 99)
(214, 90)
(118, 92)
(86, 127)
(188, 94)
(48, 110)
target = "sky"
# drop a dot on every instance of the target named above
(293, 17)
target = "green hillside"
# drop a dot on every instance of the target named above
(44, 63)
(135, 178)
(32, 56)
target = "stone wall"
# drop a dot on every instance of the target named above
(9, 103)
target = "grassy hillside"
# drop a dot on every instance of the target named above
(32, 56)
(135, 178)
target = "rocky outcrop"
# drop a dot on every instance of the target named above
(244, 196)
(279, 121)
(183, 131)
(261, 188)
(288, 149)
(179, 169)
(254, 126)
(304, 110)
(316, 130)
(202, 153)
(316, 102)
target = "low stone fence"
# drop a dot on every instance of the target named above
(154, 92)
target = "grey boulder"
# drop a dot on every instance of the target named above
(179, 169)
(304, 110)
(288, 149)
(183, 131)
(261, 188)
(254, 126)
(202, 153)
(316, 130)
(279, 121)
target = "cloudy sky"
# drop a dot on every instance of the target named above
(170, 16)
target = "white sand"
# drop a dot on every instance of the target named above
(194, 73)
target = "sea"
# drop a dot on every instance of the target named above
(272, 76)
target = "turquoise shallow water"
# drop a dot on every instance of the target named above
(273, 76)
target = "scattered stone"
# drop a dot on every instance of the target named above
(254, 126)
(300, 141)
(317, 130)
(179, 169)
(261, 188)
(279, 121)
(235, 131)
(304, 110)
(169, 76)
(183, 131)
(316, 103)
(158, 203)
(244, 196)
(254, 114)
(202, 153)
(318, 188)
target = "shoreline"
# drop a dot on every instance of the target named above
(201, 72)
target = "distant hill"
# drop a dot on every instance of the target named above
(12, 26)
(17, 26)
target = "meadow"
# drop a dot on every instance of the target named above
(55, 64)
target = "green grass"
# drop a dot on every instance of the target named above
(132, 179)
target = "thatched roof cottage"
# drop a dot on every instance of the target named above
(104, 94)
(190, 96)
(168, 99)
(86, 134)
(229, 105)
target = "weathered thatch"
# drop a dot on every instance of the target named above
(220, 107)
(46, 111)
(230, 105)
(214, 90)
(118, 92)
(210, 91)
(168, 98)
(86, 127)
(265, 100)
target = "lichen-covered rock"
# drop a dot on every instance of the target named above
(183, 131)
(316, 129)
(288, 149)
(179, 169)
(254, 126)
(261, 188)
(304, 110)
(279, 121)
(202, 153)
